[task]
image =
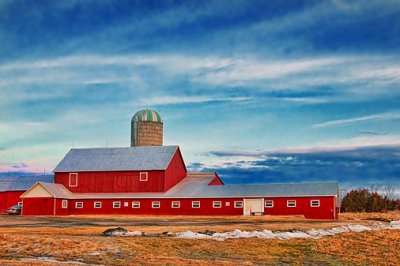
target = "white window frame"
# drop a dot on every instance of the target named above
(20, 203)
(269, 204)
(288, 203)
(155, 204)
(64, 204)
(195, 203)
(116, 204)
(79, 203)
(70, 178)
(216, 203)
(175, 204)
(315, 201)
(97, 203)
(143, 176)
(136, 204)
(238, 204)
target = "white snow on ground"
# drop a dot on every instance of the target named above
(52, 260)
(312, 233)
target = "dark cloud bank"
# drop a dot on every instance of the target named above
(356, 167)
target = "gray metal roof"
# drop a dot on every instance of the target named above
(117, 159)
(22, 183)
(197, 187)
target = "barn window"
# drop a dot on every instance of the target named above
(238, 204)
(143, 176)
(227, 204)
(97, 204)
(155, 204)
(291, 203)
(116, 204)
(195, 204)
(176, 204)
(217, 204)
(20, 203)
(269, 204)
(73, 179)
(79, 205)
(314, 203)
(64, 204)
(136, 204)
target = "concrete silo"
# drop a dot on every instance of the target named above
(146, 129)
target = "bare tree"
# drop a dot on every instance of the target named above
(388, 191)
(375, 188)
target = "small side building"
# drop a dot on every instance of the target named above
(11, 188)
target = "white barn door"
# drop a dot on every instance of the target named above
(253, 205)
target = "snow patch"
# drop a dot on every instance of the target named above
(312, 233)
(52, 260)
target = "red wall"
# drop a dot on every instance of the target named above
(9, 198)
(175, 171)
(38, 206)
(325, 211)
(122, 181)
(206, 207)
(127, 181)
(216, 181)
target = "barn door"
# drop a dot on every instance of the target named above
(253, 205)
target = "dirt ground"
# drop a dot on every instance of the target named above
(78, 240)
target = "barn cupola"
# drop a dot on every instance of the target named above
(146, 129)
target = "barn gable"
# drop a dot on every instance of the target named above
(37, 191)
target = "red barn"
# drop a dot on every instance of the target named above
(154, 180)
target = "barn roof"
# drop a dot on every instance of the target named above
(197, 187)
(21, 183)
(117, 159)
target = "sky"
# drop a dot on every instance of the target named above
(259, 91)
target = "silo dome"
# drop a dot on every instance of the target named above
(147, 115)
(146, 128)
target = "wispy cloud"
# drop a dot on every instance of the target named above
(374, 117)
(168, 100)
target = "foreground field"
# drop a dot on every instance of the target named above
(78, 241)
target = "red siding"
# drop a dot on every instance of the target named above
(217, 181)
(9, 198)
(122, 181)
(326, 210)
(303, 207)
(175, 171)
(38, 206)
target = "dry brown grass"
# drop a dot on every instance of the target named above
(35, 237)
(384, 216)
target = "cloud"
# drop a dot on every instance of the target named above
(171, 100)
(357, 167)
(374, 117)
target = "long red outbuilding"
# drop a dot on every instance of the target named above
(154, 180)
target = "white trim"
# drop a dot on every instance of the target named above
(227, 204)
(317, 201)
(268, 201)
(97, 202)
(64, 206)
(291, 201)
(115, 204)
(216, 202)
(146, 178)
(155, 203)
(136, 204)
(69, 183)
(76, 205)
(194, 202)
(126, 204)
(178, 203)
(236, 202)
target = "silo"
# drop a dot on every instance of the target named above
(146, 129)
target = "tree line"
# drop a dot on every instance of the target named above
(364, 200)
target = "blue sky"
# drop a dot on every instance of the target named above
(261, 91)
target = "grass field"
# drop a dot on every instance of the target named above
(78, 241)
